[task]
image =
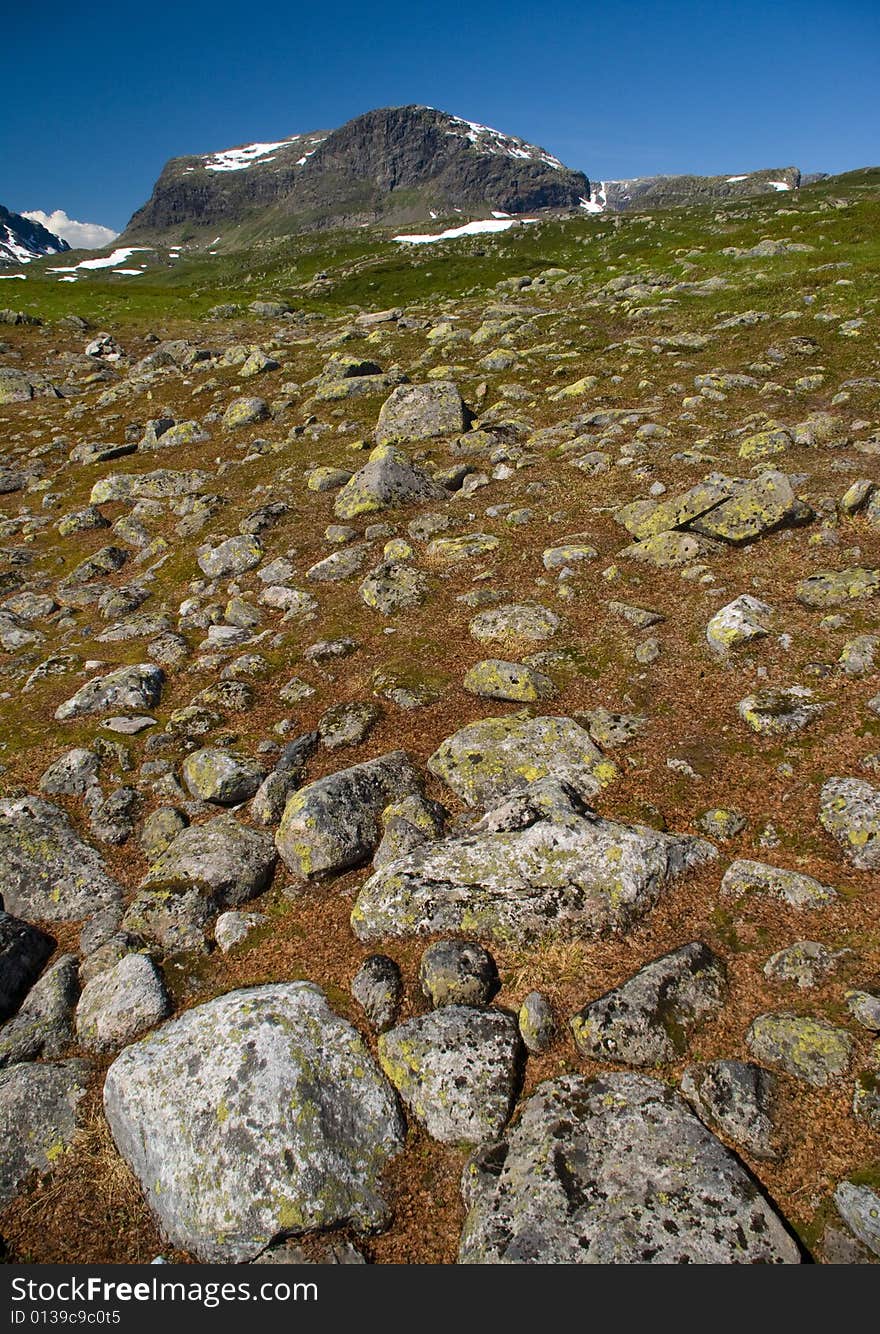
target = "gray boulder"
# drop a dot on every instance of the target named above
(648, 1020)
(859, 1207)
(120, 1004)
(541, 863)
(537, 1023)
(205, 869)
(44, 1023)
(39, 1114)
(258, 1113)
(71, 775)
(792, 887)
(135, 688)
(615, 1170)
(809, 1049)
(490, 759)
(458, 972)
(235, 556)
(335, 823)
(457, 1069)
(220, 777)
(849, 808)
(737, 1098)
(387, 478)
(23, 951)
(46, 871)
(421, 412)
(378, 989)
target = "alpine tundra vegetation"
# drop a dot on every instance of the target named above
(440, 713)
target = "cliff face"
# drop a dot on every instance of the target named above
(668, 191)
(22, 240)
(395, 165)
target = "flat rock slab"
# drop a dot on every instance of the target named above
(46, 871)
(137, 687)
(38, 1117)
(257, 1113)
(792, 887)
(514, 623)
(490, 759)
(540, 864)
(457, 1069)
(615, 1170)
(648, 1020)
(335, 823)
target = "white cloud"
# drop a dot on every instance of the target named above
(80, 235)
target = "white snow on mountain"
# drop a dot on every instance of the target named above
(249, 155)
(469, 229)
(487, 140)
(78, 235)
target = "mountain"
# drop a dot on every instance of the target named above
(22, 239)
(668, 191)
(396, 165)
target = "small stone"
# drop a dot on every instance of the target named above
(378, 989)
(231, 928)
(121, 1004)
(849, 808)
(777, 712)
(864, 1006)
(805, 962)
(537, 1023)
(722, 823)
(800, 891)
(220, 777)
(495, 679)
(458, 972)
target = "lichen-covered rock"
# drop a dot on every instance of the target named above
(393, 587)
(526, 622)
(776, 712)
(39, 1115)
(864, 1006)
(44, 1023)
(245, 412)
(420, 412)
(667, 551)
(231, 928)
(541, 863)
(537, 1023)
(407, 824)
(866, 1099)
(378, 989)
(859, 1207)
(347, 724)
(162, 484)
(756, 507)
(71, 775)
(23, 951)
(739, 622)
(458, 972)
(490, 759)
(649, 1018)
(564, 557)
(834, 588)
(495, 679)
(46, 871)
(807, 1048)
(389, 477)
(722, 822)
(457, 1069)
(205, 869)
(849, 808)
(794, 888)
(235, 556)
(255, 1114)
(453, 550)
(737, 1098)
(137, 688)
(221, 777)
(615, 1170)
(805, 963)
(335, 823)
(120, 1004)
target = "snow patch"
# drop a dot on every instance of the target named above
(238, 159)
(487, 140)
(22, 276)
(731, 179)
(111, 261)
(479, 228)
(779, 185)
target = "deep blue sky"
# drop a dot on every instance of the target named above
(96, 98)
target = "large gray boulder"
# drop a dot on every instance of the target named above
(541, 863)
(420, 412)
(46, 871)
(205, 869)
(490, 759)
(457, 1069)
(739, 1099)
(133, 688)
(44, 1024)
(615, 1170)
(387, 478)
(39, 1114)
(335, 823)
(23, 951)
(649, 1018)
(220, 777)
(257, 1113)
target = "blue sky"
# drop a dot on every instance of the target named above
(97, 98)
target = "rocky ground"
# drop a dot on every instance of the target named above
(441, 799)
